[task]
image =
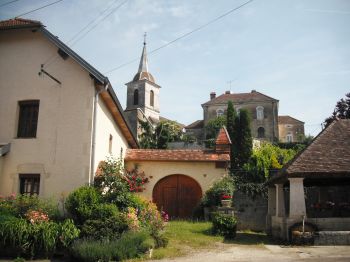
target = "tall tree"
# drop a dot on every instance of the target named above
(245, 144)
(231, 121)
(342, 110)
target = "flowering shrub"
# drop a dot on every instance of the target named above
(132, 219)
(165, 216)
(136, 180)
(19, 205)
(36, 216)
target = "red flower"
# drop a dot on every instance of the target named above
(226, 197)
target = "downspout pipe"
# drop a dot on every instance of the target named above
(94, 125)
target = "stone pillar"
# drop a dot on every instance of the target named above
(271, 210)
(280, 207)
(297, 207)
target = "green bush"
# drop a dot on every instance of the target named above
(68, 233)
(225, 225)
(81, 203)
(37, 239)
(213, 196)
(19, 205)
(130, 245)
(107, 229)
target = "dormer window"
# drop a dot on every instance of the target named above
(152, 98)
(260, 113)
(219, 112)
(136, 97)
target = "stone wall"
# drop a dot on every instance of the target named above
(251, 213)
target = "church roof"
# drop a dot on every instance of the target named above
(143, 73)
(178, 155)
(327, 156)
(288, 120)
(253, 96)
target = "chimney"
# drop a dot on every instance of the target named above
(212, 95)
(227, 92)
(253, 91)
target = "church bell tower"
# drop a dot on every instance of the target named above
(142, 96)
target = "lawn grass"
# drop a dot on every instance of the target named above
(186, 236)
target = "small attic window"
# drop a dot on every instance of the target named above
(62, 54)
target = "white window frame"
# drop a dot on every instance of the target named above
(259, 113)
(220, 112)
(289, 137)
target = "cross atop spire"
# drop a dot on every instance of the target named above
(143, 67)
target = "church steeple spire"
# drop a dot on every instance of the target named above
(143, 67)
(142, 72)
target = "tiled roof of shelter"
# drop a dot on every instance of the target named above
(195, 125)
(288, 120)
(181, 155)
(223, 138)
(19, 23)
(240, 97)
(327, 155)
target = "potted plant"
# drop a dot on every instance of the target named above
(226, 200)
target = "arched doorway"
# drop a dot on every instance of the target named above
(178, 195)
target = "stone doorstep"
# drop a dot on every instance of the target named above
(332, 238)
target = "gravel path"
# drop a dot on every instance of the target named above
(270, 253)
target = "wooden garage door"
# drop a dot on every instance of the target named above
(177, 195)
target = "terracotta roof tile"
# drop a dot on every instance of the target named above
(223, 138)
(288, 120)
(181, 155)
(240, 97)
(328, 153)
(19, 23)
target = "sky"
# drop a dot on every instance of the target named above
(296, 51)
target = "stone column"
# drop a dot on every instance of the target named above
(271, 209)
(297, 207)
(271, 204)
(280, 209)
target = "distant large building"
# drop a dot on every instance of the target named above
(263, 109)
(290, 129)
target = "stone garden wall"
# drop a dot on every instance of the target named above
(251, 213)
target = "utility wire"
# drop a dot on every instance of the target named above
(81, 30)
(34, 10)
(183, 36)
(7, 3)
(104, 18)
(95, 25)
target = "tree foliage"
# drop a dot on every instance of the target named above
(212, 129)
(341, 111)
(265, 158)
(160, 135)
(245, 140)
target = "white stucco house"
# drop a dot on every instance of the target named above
(59, 116)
